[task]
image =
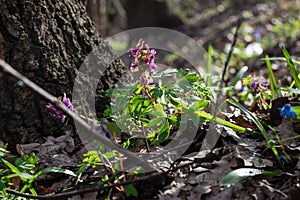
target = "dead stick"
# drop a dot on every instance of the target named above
(239, 23)
(85, 126)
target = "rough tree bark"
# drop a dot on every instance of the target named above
(97, 11)
(47, 41)
(150, 13)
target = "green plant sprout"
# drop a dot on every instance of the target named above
(154, 109)
(23, 168)
(95, 159)
(157, 103)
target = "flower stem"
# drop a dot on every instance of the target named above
(148, 95)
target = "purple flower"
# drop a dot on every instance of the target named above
(59, 114)
(149, 55)
(135, 52)
(68, 103)
(288, 111)
(143, 62)
(259, 84)
(56, 112)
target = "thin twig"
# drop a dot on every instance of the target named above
(83, 124)
(231, 49)
(103, 186)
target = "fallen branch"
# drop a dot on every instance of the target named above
(101, 187)
(133, 158)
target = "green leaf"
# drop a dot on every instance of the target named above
(140, 106)
(239, 175)
(182, 72)
(290, 90)
(155, 122)
(135, 102)
(3, 151)
(158, 111)
(164, 132)
(273, 84)
(83, 167)
(187, 82)
(139, 89)
(269, 173)
(239, 75)
(280, 59)
(199, 105)
(126, 144)
(13, 168)
(25, 176)
(243, 173)
(145, 120)
(32, 190)
(191, 78)
(2, 186)
(175, 120)
(54, 170)
(257, 122)
(156, 92)
(130, 190)
(209, 63)
(110, 155)
(175, 103)
(147, 108)
(291, 66)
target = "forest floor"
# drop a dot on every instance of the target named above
(200, 174)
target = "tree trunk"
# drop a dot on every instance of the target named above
(150, 13)
(46, 41)
(97, 11)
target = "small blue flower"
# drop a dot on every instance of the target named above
(242, 89)
(257, 33)
(288, 111)
(107, 132)
(283, 159)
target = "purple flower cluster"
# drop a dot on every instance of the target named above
(143, 62)
(259, 84)
(56, 112)
(59, 114)
(67, 102)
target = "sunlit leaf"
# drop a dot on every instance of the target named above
(291, 66)
(239, 76)
(273, 84)
(199, 105)
(155, 122)
(25, 176)
(158, 111)
(243, 173)
(54, 170)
